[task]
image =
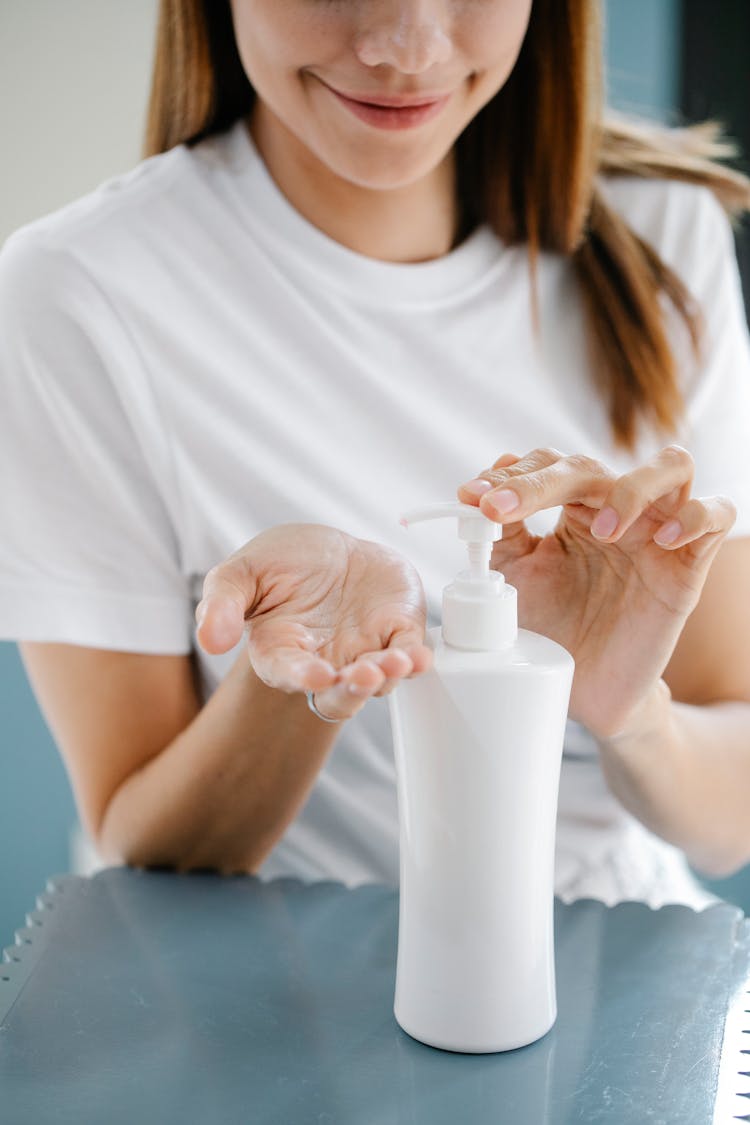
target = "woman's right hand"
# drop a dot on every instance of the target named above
(322, 611)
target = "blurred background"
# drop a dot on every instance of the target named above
(73, 85)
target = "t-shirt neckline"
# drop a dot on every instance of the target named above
(453, 276)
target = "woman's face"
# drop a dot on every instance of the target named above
(323, 70)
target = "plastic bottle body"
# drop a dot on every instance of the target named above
(478, 746)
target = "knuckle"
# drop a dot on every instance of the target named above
(581, 462)
(693, 513)
(536, 483)
(625, 495)
(545, 455)
(213, 578)
(727, 508)
(224, 578)
(495, 477)
(504, 470)
(675, 454)
(505, 460)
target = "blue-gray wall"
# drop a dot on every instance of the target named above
(36, 807)
(642, 45)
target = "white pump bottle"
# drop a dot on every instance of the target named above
(478, 746)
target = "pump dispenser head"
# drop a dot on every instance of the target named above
(479, 608)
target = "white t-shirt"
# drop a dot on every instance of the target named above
(185, 361)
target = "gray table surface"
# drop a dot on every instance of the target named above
(162, 998)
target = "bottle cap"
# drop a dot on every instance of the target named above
(479, 607)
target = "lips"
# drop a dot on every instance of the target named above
(393, 111)
(393, 101)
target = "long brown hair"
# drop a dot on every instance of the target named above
(527, 165)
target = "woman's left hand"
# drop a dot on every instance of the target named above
(617, 578)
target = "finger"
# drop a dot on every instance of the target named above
(391, 667)
(470, 491)
(395, 664)
(229, 592)
(544, 479)
(364, 675)
(359, 681)
(411, 641)
(671, 471)
(356, 683)
(506, 459)
(289, 668)
(420, 658)
(702, 523)
(404, 657)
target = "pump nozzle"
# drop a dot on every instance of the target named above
(479, 609)
(474, 528)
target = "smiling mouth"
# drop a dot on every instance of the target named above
(394, 101)
(393, 111)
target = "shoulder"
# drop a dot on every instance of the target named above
(118, 201)
(683, 222)
(113, 226)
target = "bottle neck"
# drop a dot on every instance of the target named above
(480, 614)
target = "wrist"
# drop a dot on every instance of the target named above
(649, 721)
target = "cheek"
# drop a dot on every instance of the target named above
(489, 36)
(276, 38)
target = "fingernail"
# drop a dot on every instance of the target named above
(671, 531)
(476, 487)
(503, 501)
(200, 612)
(605, 523)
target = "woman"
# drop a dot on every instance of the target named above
(380, 249)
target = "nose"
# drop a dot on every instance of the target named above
(409, 35)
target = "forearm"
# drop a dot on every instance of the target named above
(222, 793)
(684, 772)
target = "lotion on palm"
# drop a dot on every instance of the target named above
(478, 747)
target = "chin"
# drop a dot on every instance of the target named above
(376, 172)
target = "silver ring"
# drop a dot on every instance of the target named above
(315, 711)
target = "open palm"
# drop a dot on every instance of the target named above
(322, 612)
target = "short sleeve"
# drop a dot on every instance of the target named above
(89, 548)
(718, 391)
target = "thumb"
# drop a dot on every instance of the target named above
(229, 594)
(516, 541)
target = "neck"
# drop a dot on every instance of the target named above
(414, 223)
